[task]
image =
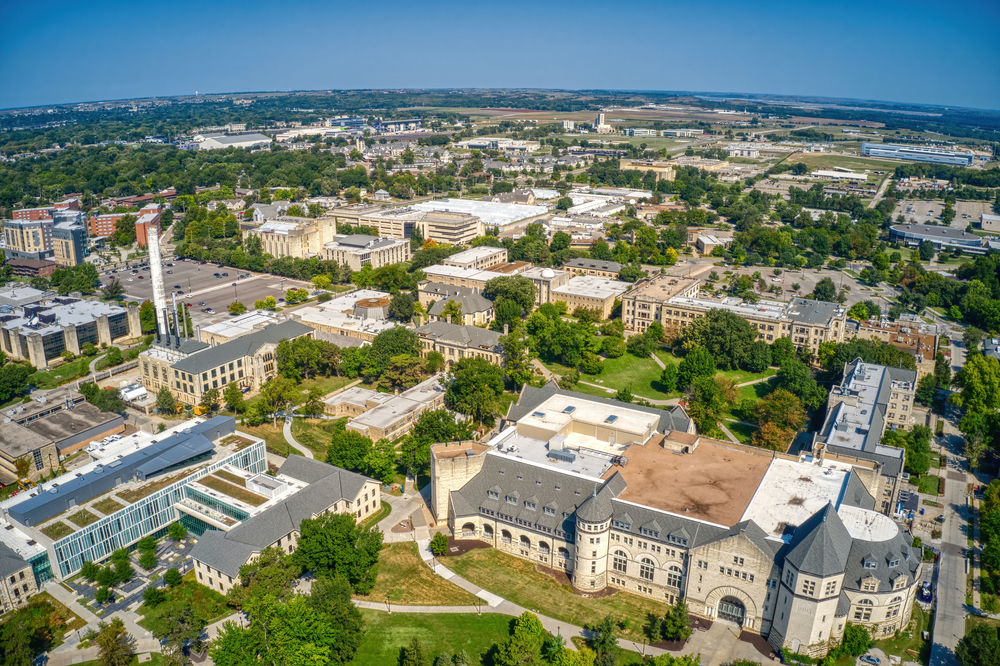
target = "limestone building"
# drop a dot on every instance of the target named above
(42, 331)
(17, 582)
(384, 415)
(478, 258)
(916, 338)
(595, 267)
(359, 249)
(591, 292)
(675, 302)
(458, 341)
(301, 490)
(631, 498)
(295, 237)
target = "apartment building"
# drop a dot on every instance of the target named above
(359, 249)
(675, 302)
(29, 238)
(787, 548)
(46, 212)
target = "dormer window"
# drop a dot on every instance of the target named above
(530, 505)
(511, 500)
(548, 511)
(492, 494)
(894, 563)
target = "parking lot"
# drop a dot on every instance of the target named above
(196, 284)
(807, 279)
(972, 211)
(922, 212)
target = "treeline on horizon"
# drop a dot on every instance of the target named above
(87, 127)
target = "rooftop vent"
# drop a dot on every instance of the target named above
(611, 419)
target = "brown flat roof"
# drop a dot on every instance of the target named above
(715, 483)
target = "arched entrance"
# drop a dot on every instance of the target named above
(732, 610)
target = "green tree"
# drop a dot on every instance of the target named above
(334, 545)
(725, 335)
(856, 640)
(393, 342)
(177, 531)
(404, 372)
(979, 647)
(210, 399)
(795, 377)
(172, 577)
(114, 289)
(233, 397)
(516, 346)
(474, 388)
(402, 307)
(237, 308)
(147, 561)
(825, 290)
(270, 576)
(926, 390)
(524, 645)
(349, 449)
(926, 251)
(380, 463)
(116, 645)
(604, 643)
(675, 624)
(698, 362)
(176, 623)
(758, 357)
(114, 357)
(452, 311)
(781, 408)
(413, 654)
(514, 288)
(711, 397)
(165, 402)
(979, 384)
(668, 378)
(275, 394)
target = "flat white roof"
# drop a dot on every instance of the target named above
(790, 492)
(826, 173)
(492, 214)
(866, 524)
(461, 272)
(593, 286)
(347, 322)
(346, 302)
(241, 325)
(474, 253)
(560, 410)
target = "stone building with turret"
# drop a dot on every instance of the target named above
(631, 498)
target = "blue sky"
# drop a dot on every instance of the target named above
(56, 51)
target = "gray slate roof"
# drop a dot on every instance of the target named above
(327, 485)
(241, 347)
(470, 303)
(531, 397)
(10, 561)
(882, 553)
(593, 264)
(469, 336)
(821, 545)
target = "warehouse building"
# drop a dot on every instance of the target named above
(942, 237)
(918, 153)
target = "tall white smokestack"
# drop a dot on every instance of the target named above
(156, 275)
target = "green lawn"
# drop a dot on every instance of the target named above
(274, 438)
(209, 604)
(314, 433)
(743, 432)
(407, 581)
(929, 484)
(65, 373)
(520, 582)
(386, 634)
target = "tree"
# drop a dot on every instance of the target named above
(452, 311)
(675, 624)
(439, 544)
(724, 334)
(434, 362)
(515, 288)
(153, 596)
(165, 402)
(237, 308)
(524, 645)
(270, 576)
(393, 342)
(516, 346)
(711, 397)
(176, 623)
(856, 640)
(474, 388)
(565, 203)
(698, 362)
(926, 251)
(115, 645)
(349, 449)
(604, 643)
(210, 399)
(413, 654)
(147, 561)
(668, 378)
(332, 544)
(772, 436)
(404, 371)
(758, 356)
(114, 289)
(402, 307)
(979, 647)
(275, 394)
(380, 463)
(825, 290)
(147, 317)
(233, 397)
(781, 408)
(795, 377)
(177, 531)
(858, 312)
(172, 577)
(979, 383)
(114, 357)
(926, 390)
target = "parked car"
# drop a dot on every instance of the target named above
(180, 291)
(868, 659)
(169, 272)
(201, 303)
(225, 275)
(177, 286)
(140, 277)
(925, 590)
(211, 311)
(216, 275)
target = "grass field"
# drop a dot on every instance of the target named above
(518, 581)
(929, 484)
(406, 580)
(742, 431)
(386, 634)
(208, 604)
(855, 163)
(274, 438)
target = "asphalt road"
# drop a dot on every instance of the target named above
(949, 621)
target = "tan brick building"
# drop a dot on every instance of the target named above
(358, 250)
(17, 581)
(458, 341)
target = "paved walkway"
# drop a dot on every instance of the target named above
(727, 433)
(304, 450)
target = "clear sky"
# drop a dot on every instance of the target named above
(58, 51)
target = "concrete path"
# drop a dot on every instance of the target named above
(727, 433)
(756, 381)
(659, 362)
(304, 450)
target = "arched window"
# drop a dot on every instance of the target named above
(863, 611)
(505, 537)
(894, 607)
(468, 531)
(543, 548)
(487, 532)
(646, 568)
(563, 554)
(620, 562)
(674, 576)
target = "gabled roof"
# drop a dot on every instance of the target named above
(241, 347)
(10, 561)
(821, 545)
(469, 336)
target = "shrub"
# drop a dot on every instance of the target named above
(439, 544)
(103, 595)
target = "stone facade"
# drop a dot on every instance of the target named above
(18, 582)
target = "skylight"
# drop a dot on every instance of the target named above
(611, 419)
(538, 415)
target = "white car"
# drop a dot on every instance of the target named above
(131, 280)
